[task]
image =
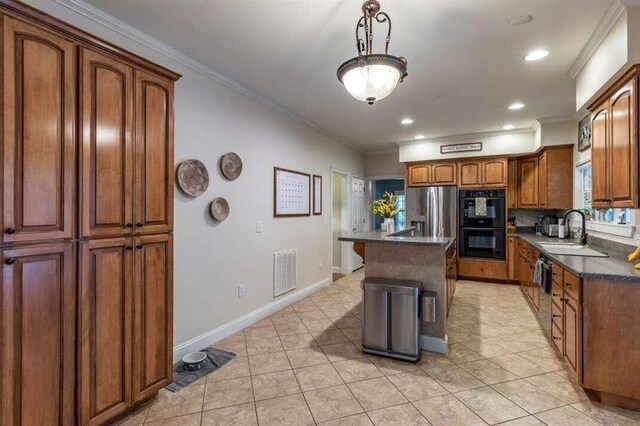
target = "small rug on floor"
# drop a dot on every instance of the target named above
(216, 358)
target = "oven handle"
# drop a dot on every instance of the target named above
(465, 228)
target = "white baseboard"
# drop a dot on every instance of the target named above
(337, 269)
(244, 321)
(434, 344)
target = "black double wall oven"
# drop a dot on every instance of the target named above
(482, 223)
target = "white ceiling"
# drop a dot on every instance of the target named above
(465, 60)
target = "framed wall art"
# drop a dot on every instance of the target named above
(291, 193)
(317, 195)
(584, 134)
(460, 147)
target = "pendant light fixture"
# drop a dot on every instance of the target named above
(370, 77)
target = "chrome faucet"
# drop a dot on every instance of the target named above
(583, 240)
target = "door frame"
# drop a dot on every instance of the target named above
(345, 264)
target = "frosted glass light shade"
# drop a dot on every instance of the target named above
(371, 82)
(370, 78)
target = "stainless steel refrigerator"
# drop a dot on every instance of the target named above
(432, 210)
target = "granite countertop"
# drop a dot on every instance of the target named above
(613, 268)
(401, 236)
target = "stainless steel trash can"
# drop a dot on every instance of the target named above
(429, 300)
(391, 324)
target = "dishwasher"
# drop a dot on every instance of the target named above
(391, 325)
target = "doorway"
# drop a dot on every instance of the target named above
(339, 221)
(392, 186)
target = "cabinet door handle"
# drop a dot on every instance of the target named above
(11, 231)
(140, 224)
(556, 338)
(139, 246)
(129, 247)
(567, 284)
(129, 225)
(9, 261)
(556, 295)
(555, 316)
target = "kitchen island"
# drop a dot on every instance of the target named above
(402, 256)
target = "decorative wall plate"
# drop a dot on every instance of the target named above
(193, 177)
(219, 209)
(231, 165)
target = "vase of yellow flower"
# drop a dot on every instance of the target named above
(386, 209)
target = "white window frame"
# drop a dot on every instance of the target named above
(627, 230)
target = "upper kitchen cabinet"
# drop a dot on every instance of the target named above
(512, 184)
(483, 173)
(614, 144)
(153, 174)
(432, 173)
(528, 182)
(545, 181)
(555, 178)
(38, 134)
(107, 146)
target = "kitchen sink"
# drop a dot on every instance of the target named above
(571, 249)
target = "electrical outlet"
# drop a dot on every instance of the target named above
(258, 227)
(319, 263)
(241, 290)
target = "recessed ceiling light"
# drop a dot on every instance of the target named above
(406, 121)
(420, 136)
(509, 127)
(536, 55)
(516, 105)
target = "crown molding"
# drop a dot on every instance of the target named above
(468, 136)
(114, 24)
(547, 120)
(605, 25)
(383, 151)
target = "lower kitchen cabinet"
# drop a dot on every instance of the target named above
(125, 323)
(38, 314)
(483, 269)
(106, 314)
(153, 317)
(572, 335)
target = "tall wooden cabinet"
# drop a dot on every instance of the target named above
(39, 145)
(86, 303)
(614, 144)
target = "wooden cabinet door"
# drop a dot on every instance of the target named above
(494, 173)
(106, 275)
(623, 153)
(153, 175)
(38, 135)
(418, 175)
(153, 322)
(512, 184)
(542, 180)
(107, 148)
(599, 156)
(470, 175)
(38, 311)
(572, 334)
(444, 173)
(528, 182)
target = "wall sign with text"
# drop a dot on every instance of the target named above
(460, 147)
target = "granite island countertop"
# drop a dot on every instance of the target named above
(612, 268)
(401, 236)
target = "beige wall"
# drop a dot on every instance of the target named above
(384, 164)
(211, 259)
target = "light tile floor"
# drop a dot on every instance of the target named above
(303, 366)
